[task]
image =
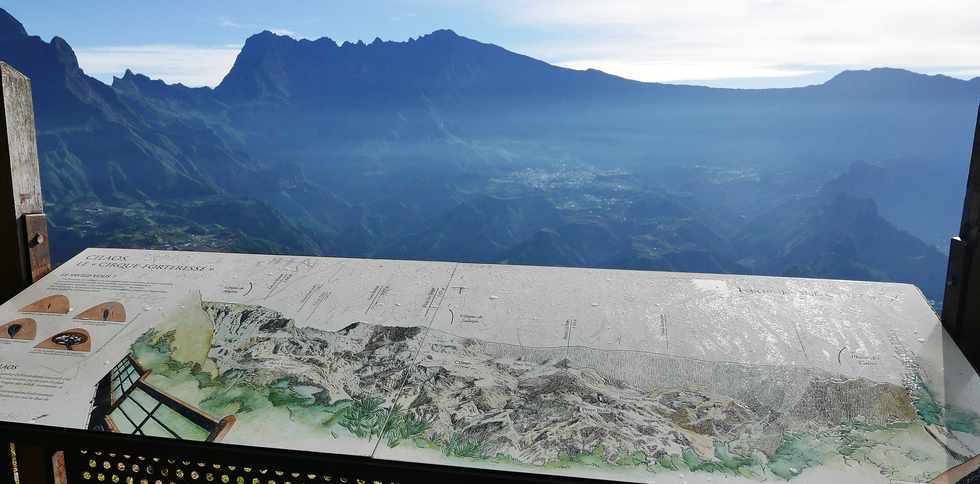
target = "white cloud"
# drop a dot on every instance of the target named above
(660, 71)
(190, 65)
(716, 42)
(685, 40)
(230, 23)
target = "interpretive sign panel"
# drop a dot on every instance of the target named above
(622, 375)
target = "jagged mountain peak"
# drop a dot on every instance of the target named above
(893, 80)
(10, 27)
(442, 34)
(130, 79)
(268, 42)
(11, 30)
(66, 55)
(27, 53)
(267, 38)
(875, 73)
(276, 67)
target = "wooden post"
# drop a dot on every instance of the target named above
(961, 303)
(6, 462)
(32, 464)
(24, 255)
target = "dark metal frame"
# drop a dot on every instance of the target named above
(961, 303)
(41, 443)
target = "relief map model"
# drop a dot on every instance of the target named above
(446, 387)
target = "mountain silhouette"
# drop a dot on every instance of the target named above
(444, 147)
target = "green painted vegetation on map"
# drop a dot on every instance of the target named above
(567, 458)
(231, 393)
(852, 443)
(404, 425)
(458, 445)
(240, 391)
(669, 462)
(798, 452)
(635, 458)
(282, 393)
(364, 418)
(953, 418)
(734, 462)
(725, 461)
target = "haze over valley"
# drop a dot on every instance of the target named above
(442, 147)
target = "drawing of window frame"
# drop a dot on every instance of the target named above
(125, 403)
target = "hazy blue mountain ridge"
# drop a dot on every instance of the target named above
(442, 147)
(114, 169)
(483, 101)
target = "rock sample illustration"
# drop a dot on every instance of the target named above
(111, 311)
(76, 339)
(56, 304)
(25, 328)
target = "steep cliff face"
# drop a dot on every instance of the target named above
(538, 405)
(445, 148)
(138, 163)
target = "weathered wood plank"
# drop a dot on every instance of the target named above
(20, 180)
(6, 462)
(38, 253)
(32, 465)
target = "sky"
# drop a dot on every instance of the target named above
(727, 43)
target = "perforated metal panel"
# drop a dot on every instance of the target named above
(138, 469)
(48, 455)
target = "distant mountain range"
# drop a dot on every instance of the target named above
(442, 147)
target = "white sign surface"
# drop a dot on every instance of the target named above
(622, 375)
